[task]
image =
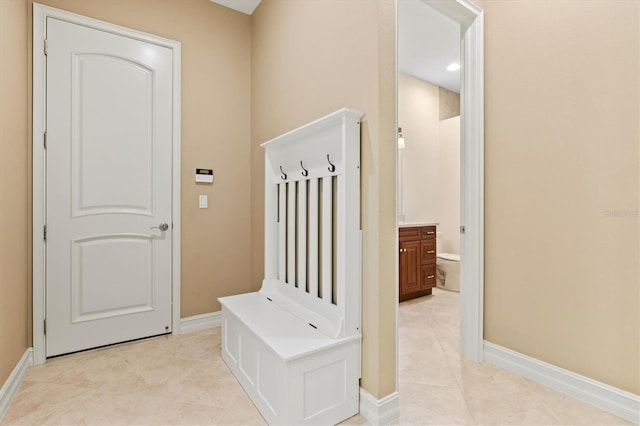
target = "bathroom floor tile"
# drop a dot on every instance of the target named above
(492, 412)
(429, 368)
(418, 339)
(432, 405)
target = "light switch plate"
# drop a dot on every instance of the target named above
(203, 202)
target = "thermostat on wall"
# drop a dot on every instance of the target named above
(204, 175)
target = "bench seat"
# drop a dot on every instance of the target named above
(293, 373)
(288, 336)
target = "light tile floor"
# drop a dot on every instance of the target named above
(437, 387)
(181, 380)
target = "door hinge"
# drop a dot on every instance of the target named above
(46, 43)
(45, 327)
(45, 232)
(45, 140)
(462, 230)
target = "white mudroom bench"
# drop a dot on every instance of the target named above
(295, 344)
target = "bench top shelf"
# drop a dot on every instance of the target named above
(285, 334)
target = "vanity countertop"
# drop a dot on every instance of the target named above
(416, 224)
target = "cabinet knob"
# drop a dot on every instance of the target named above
(431, 251)
(430, 276)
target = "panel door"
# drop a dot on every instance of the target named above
(409, 267)
(109, 127)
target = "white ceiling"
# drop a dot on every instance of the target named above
(428, 42)
(244, 6)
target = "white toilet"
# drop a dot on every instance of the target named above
(448, 268)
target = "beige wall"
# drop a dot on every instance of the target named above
(14, 186)
(449, 103)
(418, 162)
(562, 184)
(215, 134)
(310, 58)
(449, 185)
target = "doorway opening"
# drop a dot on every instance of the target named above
(428, 149)
(469, 19)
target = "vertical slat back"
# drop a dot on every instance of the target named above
(302, 235)
(313, 254)
(282, 230)
(326, 220)
(291, 234)
(312, 231)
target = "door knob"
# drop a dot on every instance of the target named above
(163, 226)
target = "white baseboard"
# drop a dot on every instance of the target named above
(379, 411)
(200, 322)
(10, 387)
(605, 397)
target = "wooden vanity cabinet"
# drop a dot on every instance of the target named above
(417, 261)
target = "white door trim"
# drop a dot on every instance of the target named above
(472, 202)
(40, 14)
(471, 20)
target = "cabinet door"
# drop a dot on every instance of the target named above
(409, 267)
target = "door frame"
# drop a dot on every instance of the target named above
(471, 20)
(40, 15)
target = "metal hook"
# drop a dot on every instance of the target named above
(332, 167)
(305, 172)
(284, 175)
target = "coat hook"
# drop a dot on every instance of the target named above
(284, 175)
(332, 167)
(305, 172)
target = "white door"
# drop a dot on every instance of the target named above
(108, 179)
